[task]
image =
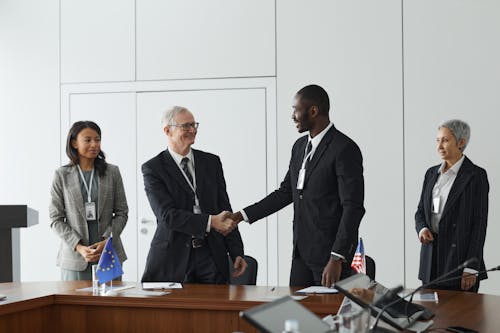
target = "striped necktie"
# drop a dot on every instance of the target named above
(185, 168)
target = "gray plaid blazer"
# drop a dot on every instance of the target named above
(67, 213)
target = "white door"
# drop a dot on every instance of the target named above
(233, 126)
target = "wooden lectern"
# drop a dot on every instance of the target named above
(11, 218)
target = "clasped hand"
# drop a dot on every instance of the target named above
(91, 253)
(223, 222)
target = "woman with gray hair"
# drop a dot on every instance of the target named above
(452, 214)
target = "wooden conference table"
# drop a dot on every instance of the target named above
(58, 307)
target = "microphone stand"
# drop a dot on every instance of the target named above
(436, 280)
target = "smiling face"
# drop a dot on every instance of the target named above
(447, 146)
(87, 144)
(181, 138)
(301, 114)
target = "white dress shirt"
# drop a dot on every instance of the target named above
(178, 159)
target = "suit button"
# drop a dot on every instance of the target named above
(453, 245)
(187, 244)
(300, 196)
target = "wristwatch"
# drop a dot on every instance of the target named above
(336, 257)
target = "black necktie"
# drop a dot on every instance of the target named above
(185, 168)
(308, 150)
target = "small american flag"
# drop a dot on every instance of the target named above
(358, 262)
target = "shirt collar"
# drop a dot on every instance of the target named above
(454, 168)
(317, 139)
(178, 157)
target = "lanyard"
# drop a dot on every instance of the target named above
(193, 186)
(87, 188)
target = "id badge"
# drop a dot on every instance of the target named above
(300, 180)
(435, 205)
(90, 212)
(196, 209)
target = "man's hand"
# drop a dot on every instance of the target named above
(468, 281)
(222, 223)
(236, 217)
(240, 265)
(87, 253)
(425, 236)
(331, 272)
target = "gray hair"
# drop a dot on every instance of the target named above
(167, 118)
(460, 130)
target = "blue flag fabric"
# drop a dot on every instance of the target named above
(109, 266)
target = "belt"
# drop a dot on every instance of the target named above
(197, 242)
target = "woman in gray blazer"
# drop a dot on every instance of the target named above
(87, 205)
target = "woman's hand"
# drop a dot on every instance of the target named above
(98, 247)
(88, 253)
(425, 236)
(468, 280)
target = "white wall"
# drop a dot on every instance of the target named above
(29, 122)
(393, 70)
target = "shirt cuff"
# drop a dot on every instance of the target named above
(338, 255)
(470, 270)
(421, 231)
(208, 223)
(245, 217)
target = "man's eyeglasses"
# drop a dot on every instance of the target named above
(187, 126)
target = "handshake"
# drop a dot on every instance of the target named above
(225, 222)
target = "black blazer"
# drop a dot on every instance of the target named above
(462, 228)
(172, 202)
(328, 210)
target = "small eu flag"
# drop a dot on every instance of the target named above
(109, 266)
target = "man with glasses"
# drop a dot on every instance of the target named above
(186, 189)
(325, 183)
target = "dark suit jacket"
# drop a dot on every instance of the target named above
(172, 201)
(462, 228)
(328, 210)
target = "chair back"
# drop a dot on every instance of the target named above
(370, 267)
(249, 276)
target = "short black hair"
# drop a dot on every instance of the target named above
(100, 162)
(316, 95)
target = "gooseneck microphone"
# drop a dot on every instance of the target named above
(439, 279)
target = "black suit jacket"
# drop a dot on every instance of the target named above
(462, 228)
(328, 210)
(172, 202)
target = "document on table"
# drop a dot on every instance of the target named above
(161, 285)
(317, 290)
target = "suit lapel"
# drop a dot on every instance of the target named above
(428, 193)
(75, 190)
(173, 169)
(199, 175)
(463, 177)
(102, 192)
(320, 150)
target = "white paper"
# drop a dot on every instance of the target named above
(140, 292)
(161, 285)
(317, 290)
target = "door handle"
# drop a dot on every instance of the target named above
(146, 220)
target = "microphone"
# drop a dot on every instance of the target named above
(439, 279)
